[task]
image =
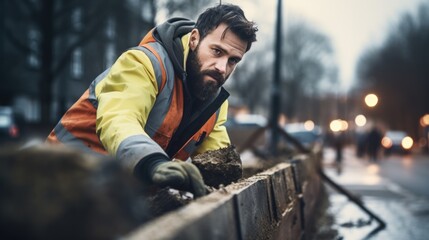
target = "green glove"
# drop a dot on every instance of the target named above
(179, 175)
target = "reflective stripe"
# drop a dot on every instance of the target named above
(191, 146)
(66, 137)
(136, 147)
(155, 64)
(92, 97)
(79, 121)
(172, 117)
(164, 100)
(217, 115)
(166, 63)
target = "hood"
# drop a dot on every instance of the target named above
(169, 35)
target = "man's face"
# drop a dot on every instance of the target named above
(212, 60)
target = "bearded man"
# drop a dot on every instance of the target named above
(163, 100)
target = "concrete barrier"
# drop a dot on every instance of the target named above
(278, 203)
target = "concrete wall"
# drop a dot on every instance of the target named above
(275, 204)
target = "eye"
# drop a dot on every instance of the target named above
(216, 51)
(234, 61)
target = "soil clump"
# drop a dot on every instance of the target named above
(219, 167)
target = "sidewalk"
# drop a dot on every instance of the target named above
(406, 216)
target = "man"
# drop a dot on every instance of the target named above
(163, 100)
(373, 143)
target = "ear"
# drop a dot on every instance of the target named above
(194, 39)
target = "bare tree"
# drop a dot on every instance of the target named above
(397, 71)
(251, 80)
(44, 36)
(308, 62)
(184, 8)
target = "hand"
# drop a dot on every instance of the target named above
(179, 175)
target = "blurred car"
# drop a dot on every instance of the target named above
(241, 127)
(396, 142)
(309, 137)
(9, 129)
(246, 120)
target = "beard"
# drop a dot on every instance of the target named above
(199, 88)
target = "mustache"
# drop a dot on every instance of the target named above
(215, 75)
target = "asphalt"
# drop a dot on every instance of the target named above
(405, 215)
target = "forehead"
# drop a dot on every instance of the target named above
(225, 38)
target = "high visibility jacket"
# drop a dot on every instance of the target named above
(141, 105)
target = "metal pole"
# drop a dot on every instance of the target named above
(352, 198)
(275, 91)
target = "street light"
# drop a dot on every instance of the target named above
(371, 100)
(309, 125)
(338, 125)
(360, 120)
(424, 121)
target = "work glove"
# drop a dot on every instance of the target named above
(179, 175)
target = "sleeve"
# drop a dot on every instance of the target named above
(218, 138)
(125, 99)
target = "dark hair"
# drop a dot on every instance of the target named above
(231, 15)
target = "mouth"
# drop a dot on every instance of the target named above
(213, 79)
(217, 79)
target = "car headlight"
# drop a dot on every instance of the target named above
(407, 142)
(386, 142)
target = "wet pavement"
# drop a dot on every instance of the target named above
(406, 215)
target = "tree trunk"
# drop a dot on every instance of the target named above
(46, 80)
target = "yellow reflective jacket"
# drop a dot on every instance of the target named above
(136, 108)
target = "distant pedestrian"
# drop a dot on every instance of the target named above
(374, 142)
(337, 140)
(360, 138)
(339, 145)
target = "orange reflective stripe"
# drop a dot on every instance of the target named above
(163, 73)
(182, 155)
(148, 38)
(208, 127)
(80, 121)
(173, 117)
(52, 138)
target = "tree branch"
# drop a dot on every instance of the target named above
(80, 42)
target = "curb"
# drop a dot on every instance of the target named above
(274, 204)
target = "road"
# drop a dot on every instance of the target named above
(411, 172)
(393, 189)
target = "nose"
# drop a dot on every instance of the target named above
(221, 65)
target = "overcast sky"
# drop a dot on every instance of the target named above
(352, 25)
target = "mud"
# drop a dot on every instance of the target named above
(166, 200)
(56, 193)
(219, 167)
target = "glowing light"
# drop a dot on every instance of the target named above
(373, 169)
(335, 125)
(407, 142)
(309, 125)
(407, 161)
(372, 177)
(371, 100)
(424, 121)
(344, 125)
(386, 142)
(360, 120)
(338, 125)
